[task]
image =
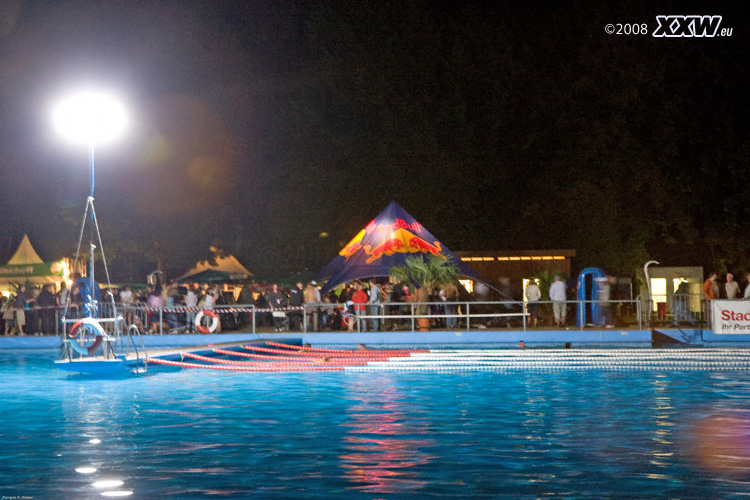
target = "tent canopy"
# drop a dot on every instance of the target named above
(25, 266)
(25, 254)
(386, 242)
(226, 269)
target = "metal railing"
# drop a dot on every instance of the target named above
(675, 310)
(680, 309)
(464, 316)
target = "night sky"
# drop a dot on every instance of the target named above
(275, 130)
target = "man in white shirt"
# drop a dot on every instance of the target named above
(558, 297)
(731, 287)
(191, 301)
(533, 295)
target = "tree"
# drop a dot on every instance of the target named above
(427, 273)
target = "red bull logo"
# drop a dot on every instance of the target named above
(417, 244)
(401, 241)
(372, 228)
(353, 246)
(389, 246)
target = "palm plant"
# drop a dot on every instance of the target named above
(427, 274)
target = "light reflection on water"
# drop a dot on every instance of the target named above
(386, 438)
(521, 434)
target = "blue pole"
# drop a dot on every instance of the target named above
(91, 305)
(91, 161)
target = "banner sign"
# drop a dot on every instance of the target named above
(27, 270)
(730, 316)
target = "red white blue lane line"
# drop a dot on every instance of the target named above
(292, 358)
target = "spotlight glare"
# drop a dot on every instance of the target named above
(90, 117)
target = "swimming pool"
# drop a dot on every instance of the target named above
(509, 434)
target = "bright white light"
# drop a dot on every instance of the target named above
(95, 441)
(107, 483)
(86, 470)
(90, 117)
(117, 493)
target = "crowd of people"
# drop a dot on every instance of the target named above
(730, 289)
(38, 312)
(376, 299)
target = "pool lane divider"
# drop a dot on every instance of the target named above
(300, 359)
(268, 367)
(293, 358)
(333, 352)
(305, 362)
(299, 349)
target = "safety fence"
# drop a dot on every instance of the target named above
(683, 310)
(678, 309)
(385, 316)
(675, 310)
(368, 317)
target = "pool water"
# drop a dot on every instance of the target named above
(511, 434)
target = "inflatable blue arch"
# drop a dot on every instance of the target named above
(588, 290)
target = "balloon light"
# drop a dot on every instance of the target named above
(90, 117)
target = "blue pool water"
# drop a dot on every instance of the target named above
(514, 434)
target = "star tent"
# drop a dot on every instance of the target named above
(386, 242)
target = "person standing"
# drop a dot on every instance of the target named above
(450, 292)
(276, 299)
(127, 300)
(245, 298)
(46, 302)
(397, 296)
(533, 295)
(558, 296)
(604, 296)
(191, 304)
(746, 296)
(75, 302)
(155, 304)
(375, 299)
(731, 288)
(20, 308)
(312, 305)
(296, 299)
(708, 287)
(680, 310)
(9, 315)
(360, 299)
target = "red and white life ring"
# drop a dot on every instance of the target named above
(87, 324)
(199, 321)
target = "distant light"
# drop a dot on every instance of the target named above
(95, 441)
(107, 483)
(117, 493)
(90, 117)
(323, 235)
(86, 470)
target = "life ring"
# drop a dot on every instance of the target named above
(199, 323)
(99, 335)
